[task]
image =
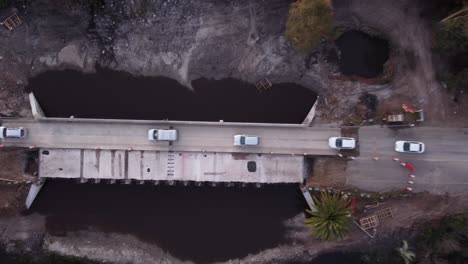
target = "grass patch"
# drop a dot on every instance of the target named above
(308, 22)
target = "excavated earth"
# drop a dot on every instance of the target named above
(186, 40)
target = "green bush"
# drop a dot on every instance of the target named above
(308, 22)
(332, 219)
(452, 229)
(451, 38)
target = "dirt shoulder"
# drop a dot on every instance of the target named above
(14, 183)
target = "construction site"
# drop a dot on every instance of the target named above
(85, 83)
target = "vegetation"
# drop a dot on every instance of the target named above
(451, 47)
(308, 22)
(4, 3)
(406, 254)
(446, 241)
(451, 35)
(332, 219)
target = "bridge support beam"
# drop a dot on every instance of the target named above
(35, 107)
(311, 115)
(34, 191)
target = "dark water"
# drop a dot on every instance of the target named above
(110, 94)
(201, 224)
(361, 54)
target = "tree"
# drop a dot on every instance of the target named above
(332, 218)
(406, 254)
(451, 36)
(308, 22)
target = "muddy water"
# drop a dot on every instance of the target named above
(202, 224)
(110, 94)
(361, 54)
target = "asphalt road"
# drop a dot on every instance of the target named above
(88, 134)
(442, 168)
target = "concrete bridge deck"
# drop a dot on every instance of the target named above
(155, 166)
(67, 133)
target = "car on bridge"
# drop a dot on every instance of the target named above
(409, 146)
(12, 132)
(245, 140)
(342, 143)
(162, 134)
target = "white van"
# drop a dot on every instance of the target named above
(245, 140)
(12, 132)
(162, 134)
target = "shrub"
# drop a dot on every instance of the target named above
(451, 38)
(308, 22)
(332, 219)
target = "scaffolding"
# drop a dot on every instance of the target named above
(376, 218)
(12, 22)
(263, 85)
(369, 222)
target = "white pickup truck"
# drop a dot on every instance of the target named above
(162, 134)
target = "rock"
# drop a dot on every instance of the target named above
(70, 55)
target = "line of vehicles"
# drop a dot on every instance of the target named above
(171, 135)
(403, 146)
(242, 140)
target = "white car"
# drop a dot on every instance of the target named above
(245, 140)
(409, 146)
(12, 132)
(342, 143)
(162, 134)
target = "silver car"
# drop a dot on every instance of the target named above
(245, 140)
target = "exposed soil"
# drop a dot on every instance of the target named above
(13, 183)
(328, 172)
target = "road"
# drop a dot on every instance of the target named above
(194, 137)
(442, 168)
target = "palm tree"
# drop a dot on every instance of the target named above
(332, 218)
(405, 253)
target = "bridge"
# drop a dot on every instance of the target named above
(118, 150)
(72, 133)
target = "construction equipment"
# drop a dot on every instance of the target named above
(397, 118)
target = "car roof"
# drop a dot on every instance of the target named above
(348, 142)
(13, 131)
(414, 146)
